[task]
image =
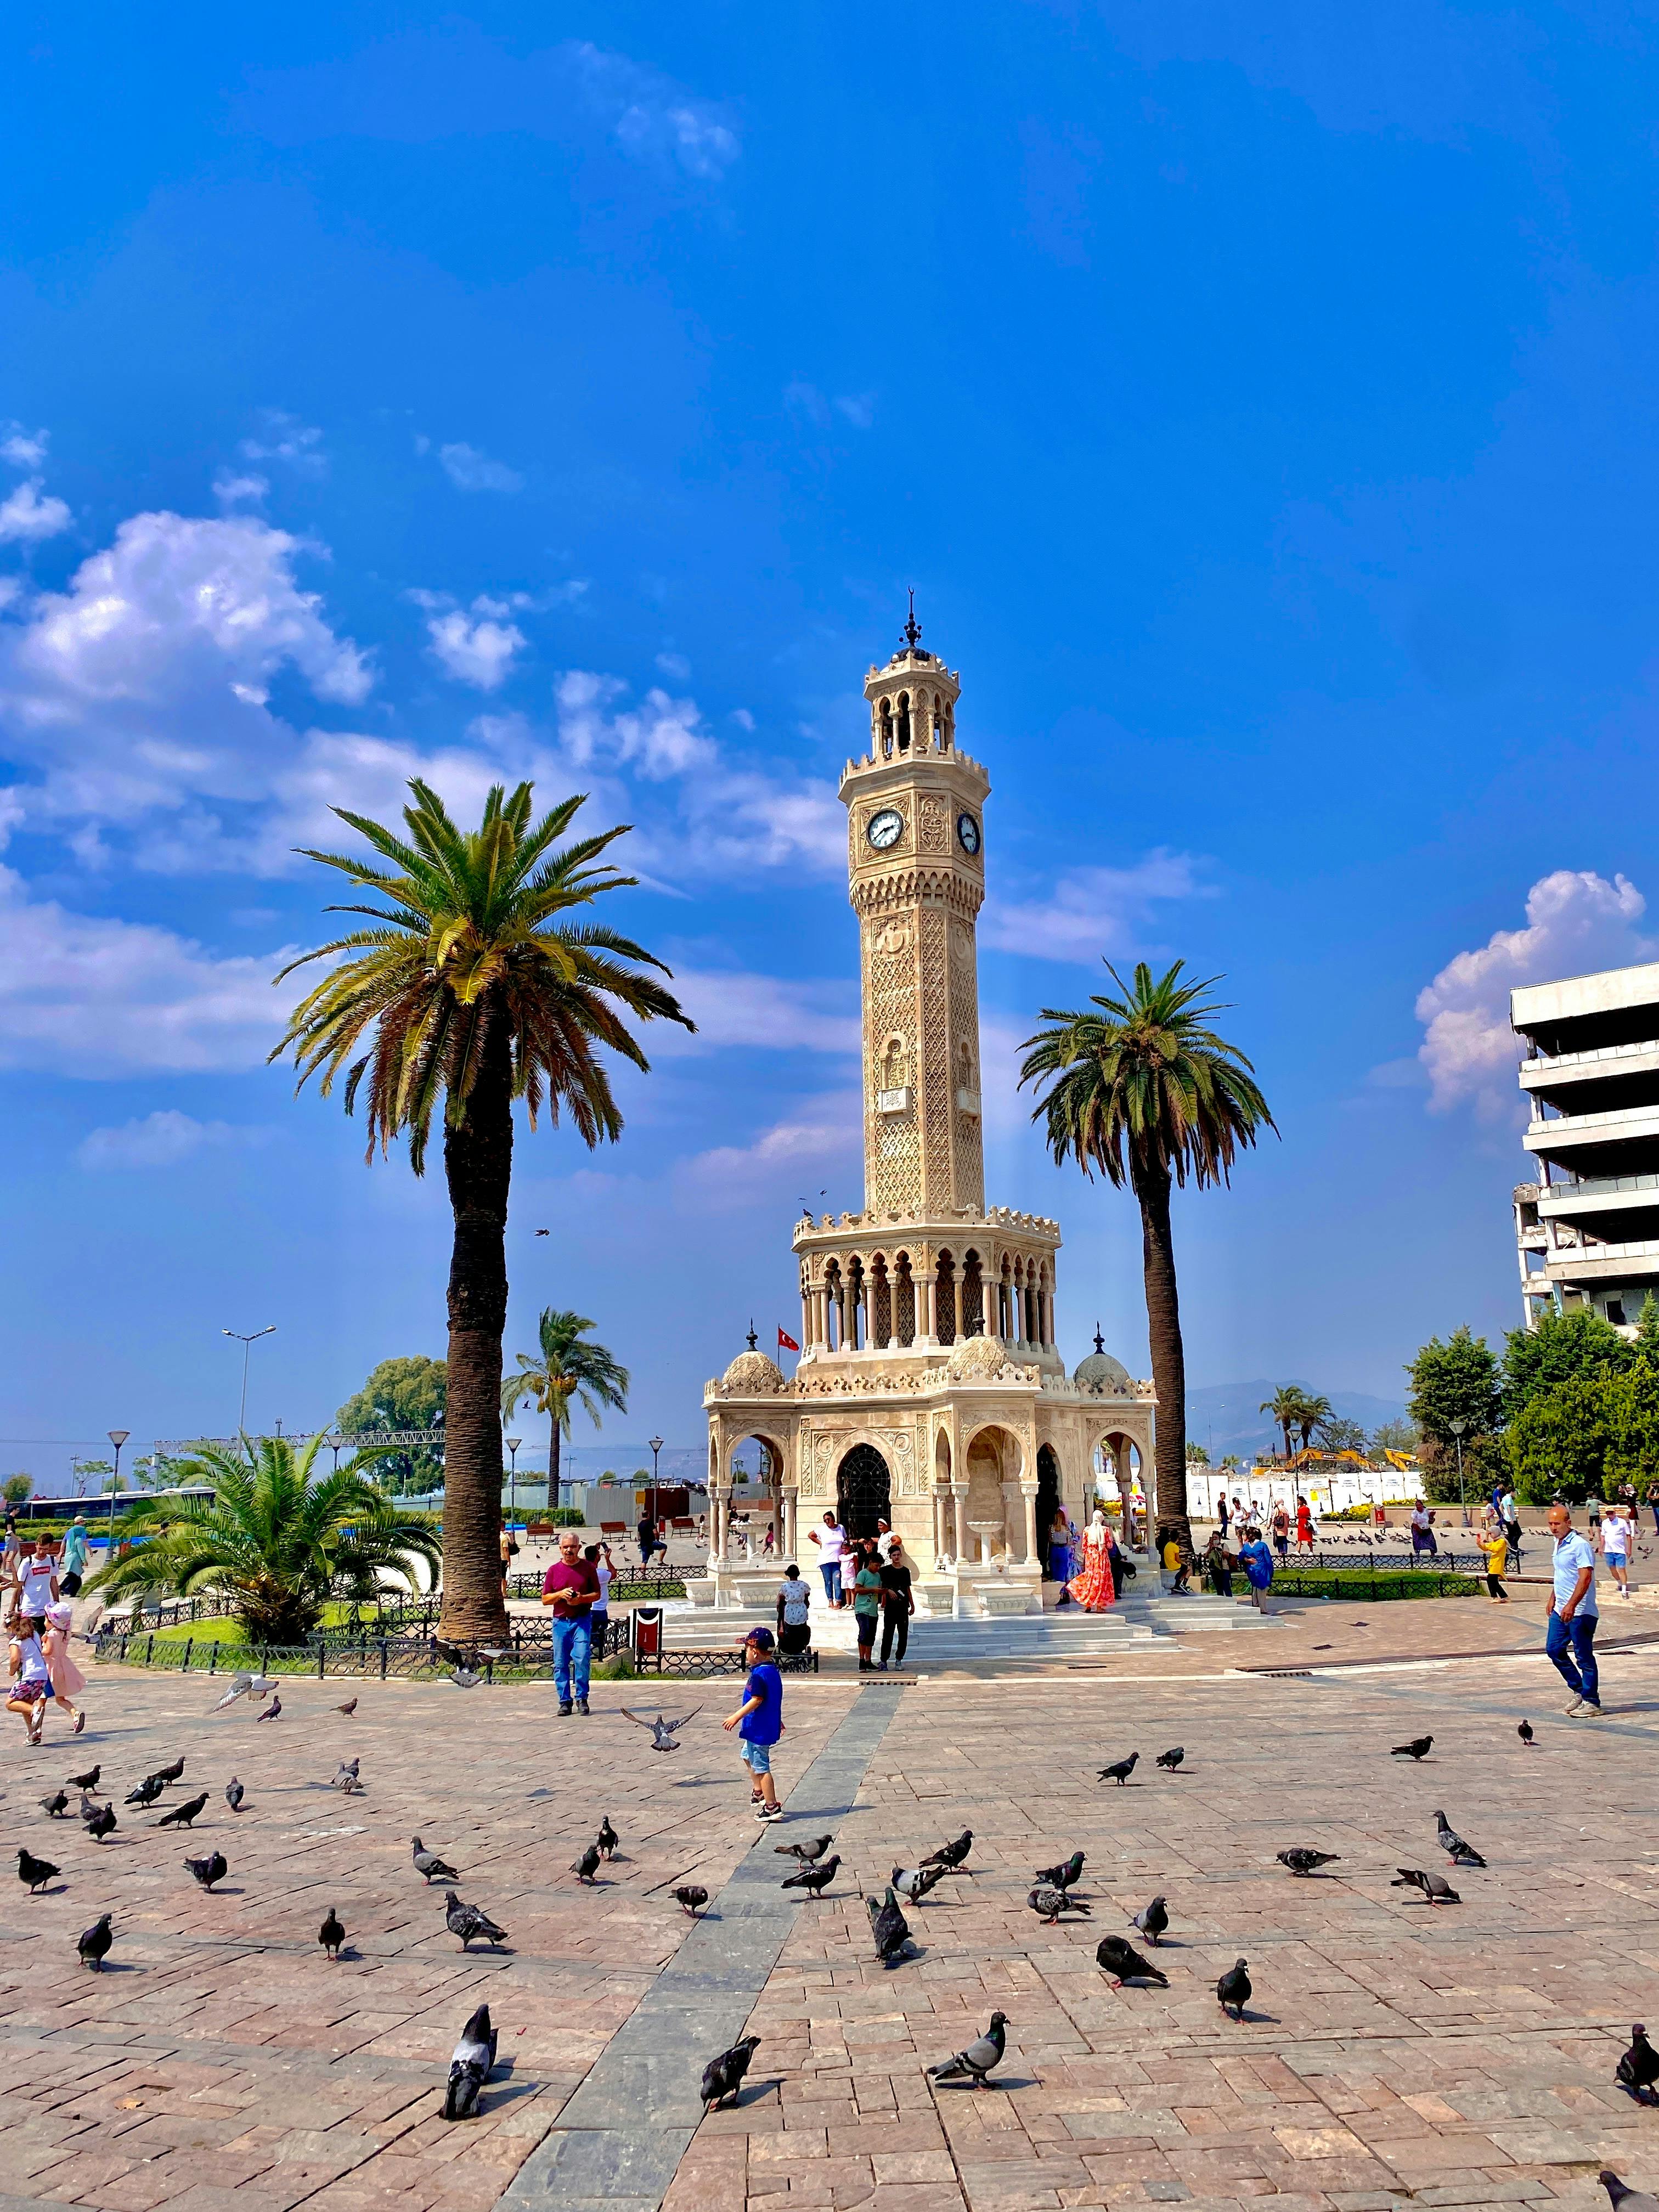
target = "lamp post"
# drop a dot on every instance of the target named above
(1457, 1425)
(117, 1438)
(247, 1344)
(512, 1444)
(656, 1446)
(334, 1440)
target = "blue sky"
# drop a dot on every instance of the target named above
(1259, 401)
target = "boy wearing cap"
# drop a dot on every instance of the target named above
(759, 1720)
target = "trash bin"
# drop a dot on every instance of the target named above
(646, 1622)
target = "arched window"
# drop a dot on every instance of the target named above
(973, 1298)
(904, 722)
(945, 1299)
(887, 728)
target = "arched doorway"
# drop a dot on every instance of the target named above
(863, 1490)
(1047, 1500)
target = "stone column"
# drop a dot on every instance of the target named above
(1028, 1491)
(959, 1502)
(842, 1303)
(928, 1317)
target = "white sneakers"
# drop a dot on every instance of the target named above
(1577, 1706)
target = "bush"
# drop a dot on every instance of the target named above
(1374, 1589)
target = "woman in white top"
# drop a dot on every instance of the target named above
(794, 1603)
(31, 1682)
(1615, 1547)
(599, 1558)
(831, 1540)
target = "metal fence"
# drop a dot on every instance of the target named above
(1360, 1584)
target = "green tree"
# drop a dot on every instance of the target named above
(273, 1543)
(1284, 1409)
(1142, 1088)
(401, 1395)
(1398, 1436)
(1633, 1426)
(1336, 1434)
(1312, 1415)
(566, 1369)
(473, 988)
(1562, 1348)
(16, 1487)
(95, 1472)
(1559, 1441)
(1455, 1380)
(1196, 1454)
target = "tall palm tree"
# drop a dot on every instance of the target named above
(566, 1369)
(1284, 1408)
(1314, 1413)
(276, 1545)
(472, 989)
(1144, 1091)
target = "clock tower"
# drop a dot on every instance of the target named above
(915, 809)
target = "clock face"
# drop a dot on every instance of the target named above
(967, 833)
(885, 828)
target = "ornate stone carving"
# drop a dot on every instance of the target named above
(935, 826)
(751, 1375)
(985, 1359)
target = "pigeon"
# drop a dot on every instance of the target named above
(95, 1942)
(428, 1863)
(147, 1792)
(1434, 1886)
(86, 1781)
(982, 2056)
(888, 1927)
(1234, 1989)
(100, 1821)
(1417, 1749)
(1525, 1732)
(1638, 2069)
(34, 1874)
(245, 1686)
(587, 1865)
(1125, 1964)
(331, 1934)
(470, 1922)
(1122, 1772)
(1152, 1920)
(1624, 2199)
(345, 1776)
(1305, 1861)
(723, 2076)
(209, 1870)
(348, 1708)
(352, 1787)
(451, 1653)
(1459, 1852)
(235, 1794)
(469, 2069)
(814, 1878)
(183, 1816)
(57, 1804)
(1049, 1904)
(951, 1856)
(664, 1733)
(691, 1896)
(1063, 1875)
(464, 1678)
(168, 1773)
(914, 1882)
(1171, 1759)
(607, 1839)
(272, 1711)
(808, 1854)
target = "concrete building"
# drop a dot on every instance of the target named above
(1587, 1232)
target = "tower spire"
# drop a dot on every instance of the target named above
(913, 627)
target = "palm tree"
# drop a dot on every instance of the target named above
(471, 987)
(275, 1544)
(1145, 1091)
(566, 1369)
(1284, 1408)
(1314, 1413)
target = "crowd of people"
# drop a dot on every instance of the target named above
(37, 1585)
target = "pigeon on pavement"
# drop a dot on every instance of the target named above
(86, 1781)
(1625, 2199)
(914, 1882)
(1303, 1861)
(95, 1942)
(1434, 1886)
(147, 1792)
(469, 2069)
(888, 1927)
(209, 1870)
(1171, 1759)
(245, 1686)
(1233, 1990)
(808, 1854)
(607, 1839)
(951, 1856)
(100, 1821)
(235, 1794)
(1125, 1964)
(428, 1863)
(348, 1708)
(1049, 1904)
(272, 1711)
(1525, 1732)
(723, 2076)
(814, 1878)
(691, 1896)
(183, 1816)
(471, 1923)
(1459, 1852)
(1638, 2069)
(979, 2059)
(1065, 1873)
(168, 1773)
(57, 1804)
(331, 1934)
(345, 1775)
(1122, 1772)
(1152, 1920)
(1417, 1749)
(664, 1733)
(587, 1865)
(34, 1874)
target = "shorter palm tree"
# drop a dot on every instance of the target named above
(275, 1546)
(1314, 1413)
(1284, 1409)
(566, 1369)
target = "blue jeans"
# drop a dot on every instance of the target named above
(1579, 1634)
(573, 1647)
(830, 1570)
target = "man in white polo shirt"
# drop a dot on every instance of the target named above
(1569, 1632)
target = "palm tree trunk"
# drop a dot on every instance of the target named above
(478, 1167)
(554, 1456)
(1152, 1187)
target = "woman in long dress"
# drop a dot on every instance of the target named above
(1093, 1588)
(66, 1676)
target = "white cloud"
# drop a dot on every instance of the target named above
(472, 470)
(1091, 913)
(860, 408)
(25, 516)
(769, 1013)
(298, 445)
(816, 407)
(475, 648)
(21, 449)
(1577, 922)
(674, 666)
(240, 490)
(653, 119)
(662, 737)
(820, 1133)
(161, 1140)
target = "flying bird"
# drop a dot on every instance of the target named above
(1152, 1920)
(86, 1781)
(1434, 1886)
(663, 1733)
(100, 1821)
(272, 1711)
(691, 1896)
(245, 1686)
(1525, 1732)
(1233, 1990)
(331, 1934)
(816, 1879)
(348, 1708)
(1063, 1876)
(979, 2059)
(428, 1863)
(235, 1794)
(587, 1865)
(890, 1928)
(209, 1870)
(1122, 1772)
(183, 1816)
(94, 1943)
(915, 1882)
(469, 2069)
(1638, 2069)
(471, 1923)
(951, 1856)
(1300, 1862)
(1625, 2199)
(1417, 1749)
(1049, 1904)
(147, 1792)
(1171, 1759)
(808, 1854)
(1125, 1964)
(464, 1678)
(451, 1653)
(1459, 1852)
(607, 1839)
(57, 1804)
(723, 2076)
(34, 1874)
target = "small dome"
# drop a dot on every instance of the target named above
(981, 1357)
(751, 1375)
(1100, 1372)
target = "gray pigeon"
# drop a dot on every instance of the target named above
(1434, 1886)
(235, 1794)
(664, 1733)
(1125, 1964)
(100, 1821)
(1049, 1904)
(95, 1943)
(272, 1711)
(470, 1922)
(587, 1865)
(245, 1686)
(1062, 1876)
(469, 2069)
(607, 1839)
(1152, 1919)
(1170, 1760)
(345, 1776)
(209, 1870)
(428, 1863)
(814, 1878)
(185, 1816)
(951, 1856)
(1121, 1772)
(1304, 1863)
(168, 1773)
(808, 1854)
(464, 1678)
(34, 1874)
(723, 2076)
(691, 1896)
(1459, 1852)
(1233, 1990)
(57, 1804)
(979, 2059)
(914, 1882)
(890, 1928)
(1623, 2199)
(1638, 2069)
(147, 1792)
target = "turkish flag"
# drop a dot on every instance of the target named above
(786, 1343)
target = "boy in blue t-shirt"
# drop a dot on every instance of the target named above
(759, 1720)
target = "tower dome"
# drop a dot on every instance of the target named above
(978, 1359)
(751, 1374)
(1100, 1372)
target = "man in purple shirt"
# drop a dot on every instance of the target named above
(571, 1587)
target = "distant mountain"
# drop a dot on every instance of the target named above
(1222, 1416)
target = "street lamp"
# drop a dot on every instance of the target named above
(1458, 1426)
(334, 1440)
(656, 1446)
(117, 1438)
(247, 1344)
(512, 1444)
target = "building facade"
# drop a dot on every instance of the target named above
(1587, 1232)
(929, 1390)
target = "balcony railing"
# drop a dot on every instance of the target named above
(1568, 1125)
(1549, 1061)
(1597, 1186)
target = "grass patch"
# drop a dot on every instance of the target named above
(1376, 1588)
